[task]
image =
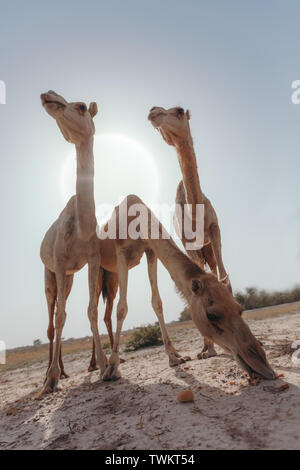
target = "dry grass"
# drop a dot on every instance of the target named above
(22, 357)
(271, 312)
(25, 356)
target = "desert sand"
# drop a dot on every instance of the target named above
(141, 410)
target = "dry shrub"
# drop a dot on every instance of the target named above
(143, 337)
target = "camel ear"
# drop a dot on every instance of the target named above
(197, 287)
(188, 115)
(93, 109)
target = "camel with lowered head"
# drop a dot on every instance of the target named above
(214, 311)
(174, 127)
(71, 241)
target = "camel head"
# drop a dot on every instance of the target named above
(218, 316)
(173, 124)
(75, 120)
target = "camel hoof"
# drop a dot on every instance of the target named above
(175, 361)
(49, 388)
(64, 375)
(111, 373)
(122, 360)
(51, 382)
(206, 354)
(116, 376)
(187, 358)
(92, 367)
(202, 355)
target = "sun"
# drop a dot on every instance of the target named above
(122, 166)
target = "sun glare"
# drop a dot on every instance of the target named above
(122, 166)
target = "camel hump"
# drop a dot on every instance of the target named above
(133, 199)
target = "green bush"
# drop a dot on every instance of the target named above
(185, 315)
(144, 336)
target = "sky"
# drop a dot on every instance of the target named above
(231, 63)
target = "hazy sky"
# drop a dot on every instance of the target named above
(231, 63)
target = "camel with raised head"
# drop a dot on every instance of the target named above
(214, 310)
(174, 127)
(71, 241)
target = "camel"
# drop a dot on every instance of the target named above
(71, 241)
(173, 125)
(214, 310)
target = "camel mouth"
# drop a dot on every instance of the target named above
(48, 98)
(45, 101)
(244, 365)
(153, 116)
(265, 372)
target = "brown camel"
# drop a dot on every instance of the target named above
(71, 241)
(214, 311)
(173, 125)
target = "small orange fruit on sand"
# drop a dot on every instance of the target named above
(185, 396)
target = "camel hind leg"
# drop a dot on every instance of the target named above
(209, 258)
(112, 370)
(215, 238)
(109, 292)
(111, 285)
(95, 287)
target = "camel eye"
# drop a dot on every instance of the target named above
(82, 108)
(212, 317)
(180, 111)
(212, 314)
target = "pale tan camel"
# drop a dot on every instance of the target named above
(214, 311)
(173, 125)
(71, 241)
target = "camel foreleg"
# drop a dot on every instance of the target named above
(53, 373)
(174, 356)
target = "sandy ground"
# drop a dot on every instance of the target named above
(141, 410)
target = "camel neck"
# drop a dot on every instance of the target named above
(188, 165)
(181, 269)
(85, 189)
